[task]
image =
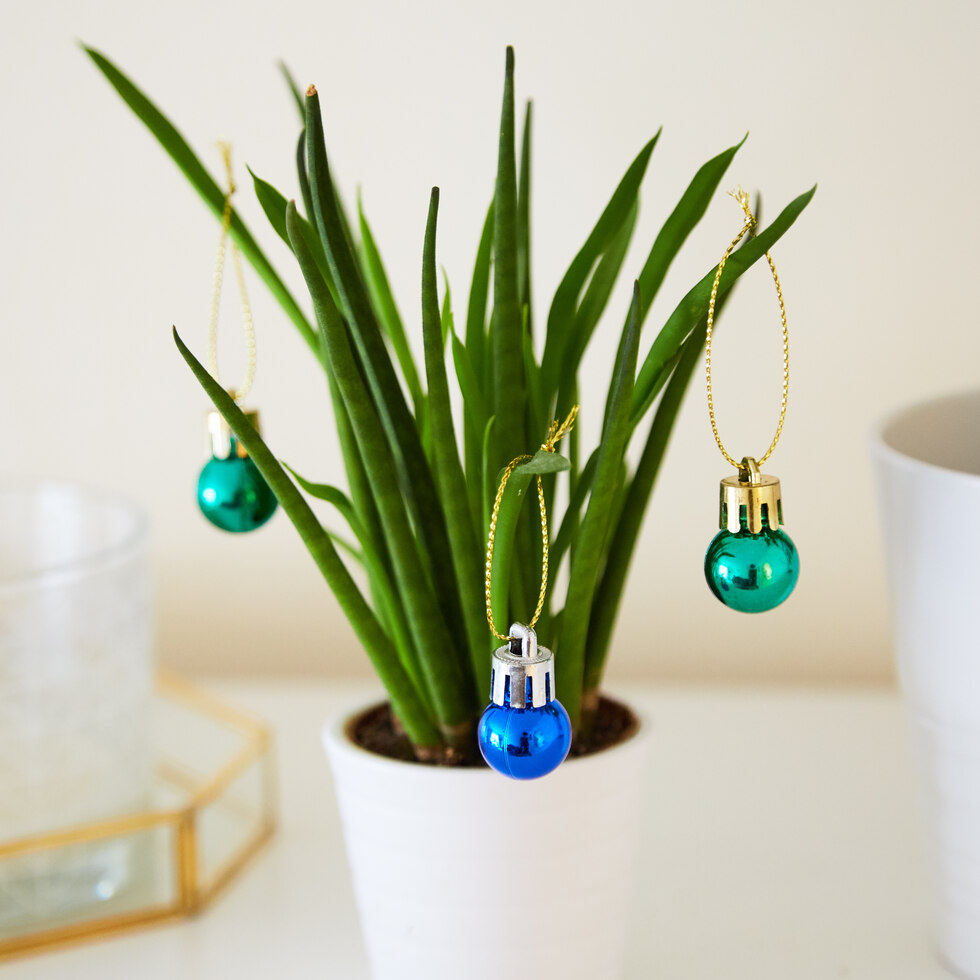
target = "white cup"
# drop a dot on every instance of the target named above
(927, 470)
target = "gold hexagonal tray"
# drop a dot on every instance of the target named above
(212, 806)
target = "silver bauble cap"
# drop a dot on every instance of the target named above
(522, 671)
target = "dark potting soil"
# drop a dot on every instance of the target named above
(377, 731)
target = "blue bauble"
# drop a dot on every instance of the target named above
(525, 743)
(233, 495)
(752, 572)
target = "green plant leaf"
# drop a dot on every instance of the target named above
(476, 310)
(655, 387)
(295, 90)
(694, 306)
(505, 534)
(332, 495)
(307, 195)
(537, 412)
(563, 306)
(447, 680)
(488, 488)
(568, 528)
(626, 532)
(475, 416)
(414, 477)
(473, 365)
(384, 658)
(273, 205)
(587, 559)
(469, 385)
(302, 176)
(515, 492)
(446, 323)
(597, 293)
(543, 462)
(180, 152)
(524, 222)
(350, 549)
(384, 590)
(681, 222)
(464, 544)
(362, 497)
(384, 303)
(628, 521)
(591, 308)
(506, 340)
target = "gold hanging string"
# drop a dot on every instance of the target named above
(219, 268)
(743, 199)
(556, 432)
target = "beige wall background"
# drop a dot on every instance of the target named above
(103, 246)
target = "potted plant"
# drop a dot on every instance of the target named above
(430, 842)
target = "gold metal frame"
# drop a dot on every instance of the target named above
(192, 892)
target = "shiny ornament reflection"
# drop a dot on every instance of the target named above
(752, 573)
(233, 496)
(525, 743)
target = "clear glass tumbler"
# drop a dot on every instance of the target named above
(76, 674)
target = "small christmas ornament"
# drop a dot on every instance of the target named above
(524, 731)
(231, 492)
(751, 564)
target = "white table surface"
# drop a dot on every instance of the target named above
(781, 842)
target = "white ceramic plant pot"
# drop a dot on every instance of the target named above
(463, 873)
(927, 468)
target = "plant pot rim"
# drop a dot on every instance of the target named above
(883, 449)
(338, 742)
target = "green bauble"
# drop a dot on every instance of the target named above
(752, 572)
(233, 496)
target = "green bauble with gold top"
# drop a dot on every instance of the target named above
(751, 564)
(231, 492)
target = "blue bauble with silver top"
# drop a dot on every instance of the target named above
(524, 732)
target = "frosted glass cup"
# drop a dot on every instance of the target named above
(927, 469)
(75, 690)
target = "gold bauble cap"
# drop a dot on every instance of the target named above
(757, 493)
(221, 439)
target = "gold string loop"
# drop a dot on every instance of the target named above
(743, 199)
(219, 268)
(556, 432)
